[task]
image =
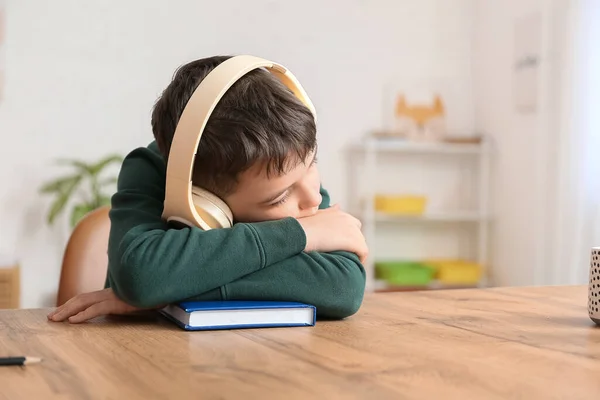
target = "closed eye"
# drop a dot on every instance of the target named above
(289, 190)
(282, 200)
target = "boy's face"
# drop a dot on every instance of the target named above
(295, 193)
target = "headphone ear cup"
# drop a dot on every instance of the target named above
(213, 211)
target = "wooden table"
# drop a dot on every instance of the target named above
(526, 343)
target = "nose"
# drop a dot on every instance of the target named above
(310, 199)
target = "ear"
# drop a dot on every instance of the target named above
(438, 105)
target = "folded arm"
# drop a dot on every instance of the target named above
(151, 263)
(333, 282)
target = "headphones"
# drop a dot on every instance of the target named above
(192, 205)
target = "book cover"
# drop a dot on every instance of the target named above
(214, 315)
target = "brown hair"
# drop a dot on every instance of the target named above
(258, 121)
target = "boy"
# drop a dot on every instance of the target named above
(257, 153)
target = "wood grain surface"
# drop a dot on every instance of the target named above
(515, 343)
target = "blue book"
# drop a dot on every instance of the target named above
(213, 315)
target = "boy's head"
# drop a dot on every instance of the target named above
(257, 151)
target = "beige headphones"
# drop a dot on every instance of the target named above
(192, 205)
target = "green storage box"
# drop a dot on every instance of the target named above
(406, 273)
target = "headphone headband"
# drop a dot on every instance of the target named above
(178, 191)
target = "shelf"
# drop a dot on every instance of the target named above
(432, 217)
(469, 217)
(382, 287)
(404, 146)
(466, 216)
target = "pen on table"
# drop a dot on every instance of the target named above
(19, 360)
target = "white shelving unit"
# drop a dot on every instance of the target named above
(472, 157)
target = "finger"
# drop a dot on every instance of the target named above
(359, 247)
(60, 309)
(363, 252)
(93, 311)
(356, 221)
(74, 306)
(363, 256)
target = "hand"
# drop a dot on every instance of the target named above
(332, 229)
(86, 306)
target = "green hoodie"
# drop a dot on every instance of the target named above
(151, 263)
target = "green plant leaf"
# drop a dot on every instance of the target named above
(100, 165)
(60, 184)
(100, 201)
(104, 201)
(83, 167)
(61, 200)
(64, 187)
(79, 211)
(108, 181)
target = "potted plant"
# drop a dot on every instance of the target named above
(85, 189)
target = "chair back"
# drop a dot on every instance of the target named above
(85, 260)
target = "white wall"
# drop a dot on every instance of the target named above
(525, 169)
(577, 218)
(81, 78)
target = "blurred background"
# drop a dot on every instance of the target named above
(462, 132)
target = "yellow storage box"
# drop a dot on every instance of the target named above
(456, 272)
(400, 204)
